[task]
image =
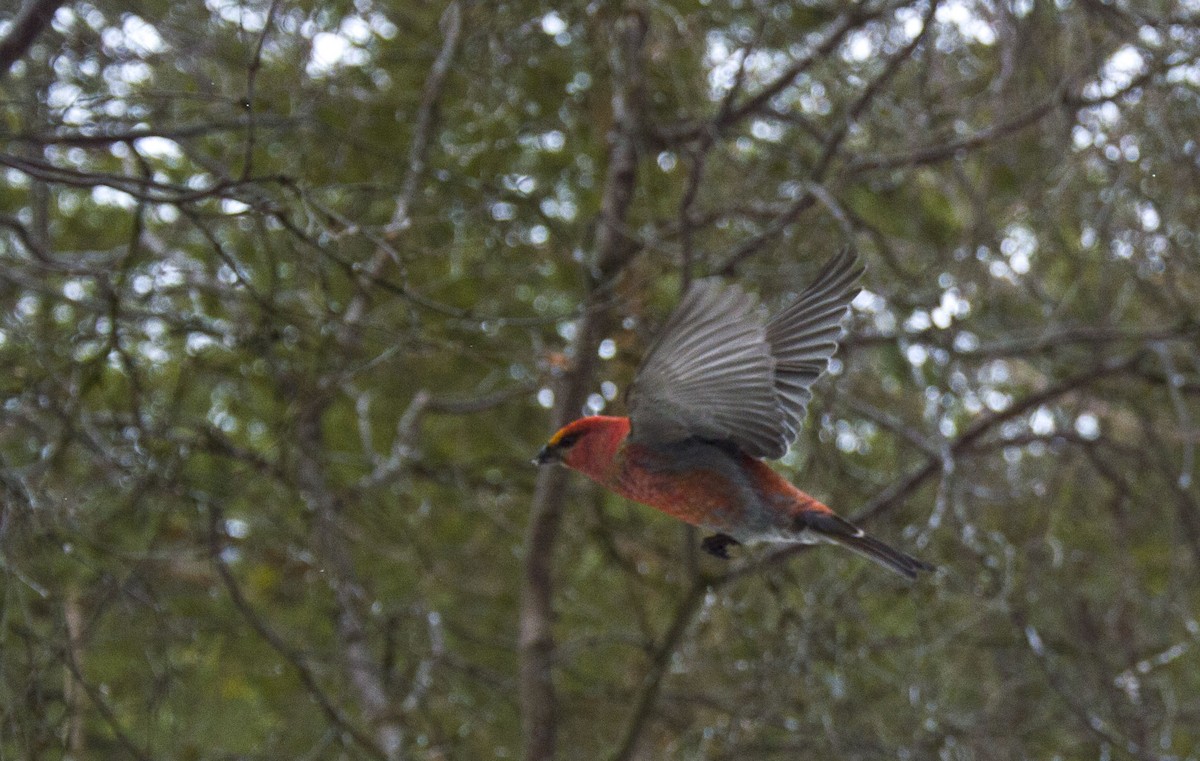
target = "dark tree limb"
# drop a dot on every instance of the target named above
(34, 16)
(364, 670)
(643, 704)
(538, 702)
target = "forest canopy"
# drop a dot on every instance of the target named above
(291, 292)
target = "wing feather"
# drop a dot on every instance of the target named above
(804, 336)
(709, 374)
(718, 371)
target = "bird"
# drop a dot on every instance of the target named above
(722, 389)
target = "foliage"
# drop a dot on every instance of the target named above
(291, 292)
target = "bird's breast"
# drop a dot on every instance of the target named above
(709, 494)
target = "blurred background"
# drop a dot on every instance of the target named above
(291, 292)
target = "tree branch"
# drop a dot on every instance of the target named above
(251, 89)
(829, 152)
(418, 147)
(29, 23)
(272, 638)
(900, 490)
(418, 152)
(75, 671)
(365, 672)
(614, 249)
(904, 486)
(643, 705)
(730, 114)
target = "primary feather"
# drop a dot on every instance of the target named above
(804, 336)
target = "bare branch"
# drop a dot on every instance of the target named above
(829, 152)
(613, 251)
(904, 486)
(418, 147)
(1187, 467)
(418, 151)
(272, 638)
(35, 16)
(141, 188)
(1087, 718)
(642, 709)
(251, 82)
(932, 154)
(106, 712)
(686, 223)
(901, 489)
(104, 136)
(949, 149)
(365, 671)
(26, 236)
(731, 114)
(73, 692)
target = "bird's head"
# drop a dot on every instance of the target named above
(586, 444)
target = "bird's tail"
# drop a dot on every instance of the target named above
(832, 528)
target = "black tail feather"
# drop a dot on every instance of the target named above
(886, 555)
(840, 531)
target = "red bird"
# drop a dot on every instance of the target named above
(721, 389)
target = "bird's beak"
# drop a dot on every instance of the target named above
(547, 454)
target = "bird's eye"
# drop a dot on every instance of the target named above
(568, 441)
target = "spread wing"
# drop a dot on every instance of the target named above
(804, 336)
(719, 371)
(709, 375)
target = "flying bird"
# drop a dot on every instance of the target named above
(722, 389)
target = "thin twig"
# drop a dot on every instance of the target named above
(277, 643)
(418, 147)
(105, 710)
(251, 82)
(642, 706)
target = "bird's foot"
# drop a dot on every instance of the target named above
(718, 545)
